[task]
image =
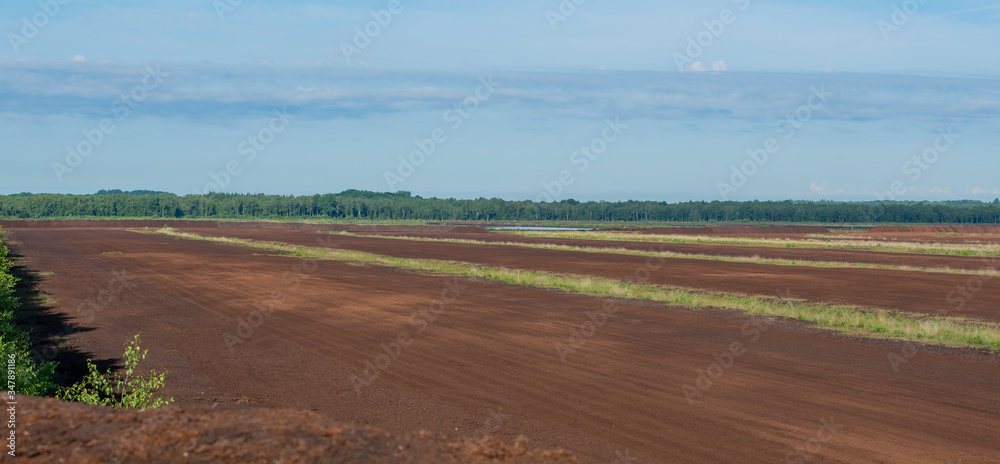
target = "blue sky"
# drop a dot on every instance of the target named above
(849, 100)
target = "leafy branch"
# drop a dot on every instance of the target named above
(124, 389)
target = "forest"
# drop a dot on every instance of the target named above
(364, 205)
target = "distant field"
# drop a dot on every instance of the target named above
(588, 341)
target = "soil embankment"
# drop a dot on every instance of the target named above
(56, 431)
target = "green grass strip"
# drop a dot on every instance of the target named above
(847, 319)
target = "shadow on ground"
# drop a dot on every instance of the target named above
(50, 331)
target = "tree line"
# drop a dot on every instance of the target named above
(364, 205)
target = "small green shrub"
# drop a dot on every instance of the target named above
(125, 389)
(30, 377)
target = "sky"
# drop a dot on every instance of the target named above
(545, 100)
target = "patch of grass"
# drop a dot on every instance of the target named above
(850, 319)
(44, 299)
(46, 273)
(111, 253)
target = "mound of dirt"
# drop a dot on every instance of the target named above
(938, 229)
(55, 431)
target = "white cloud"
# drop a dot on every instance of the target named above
(79, 58)
(944, 190)
(698, 66)
(982, 191)
(86, 88)
(819, 188)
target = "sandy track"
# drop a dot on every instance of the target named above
(803, 254)
(913, 291)
(489, 361)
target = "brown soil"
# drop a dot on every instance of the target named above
(995, 229)
(917, 237)
(913, 291)
(55, 431)
(678, 231)
(157, 223)
(795, 254)
(741, 231)
(489, 361)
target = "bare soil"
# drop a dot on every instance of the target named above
(931, 237)
(611, 381)
(747, 231)
(986, 229)
(54, 431)
(157, 223)
(911, 291)
(794, 254)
